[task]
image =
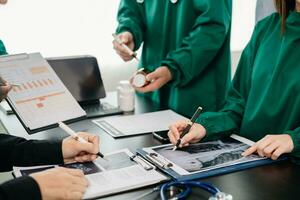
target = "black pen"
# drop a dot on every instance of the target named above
(188, 127)
(100, 154)
(68, 130)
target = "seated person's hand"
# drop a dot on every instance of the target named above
(3, 1)
(61, 183)
(197, 132)
(157, 79)
(272, 146)
(4, 90)
(74, 150)
(127, 39)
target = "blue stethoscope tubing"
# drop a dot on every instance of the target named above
(187, 188)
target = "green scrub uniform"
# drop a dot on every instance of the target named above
(191, 38)
(264, 97)
(2, 48)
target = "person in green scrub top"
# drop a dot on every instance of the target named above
(263, 102)
(185, 46)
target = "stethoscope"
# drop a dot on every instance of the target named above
(177, 190)
(142, 1)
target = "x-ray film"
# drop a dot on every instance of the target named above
(204, 156)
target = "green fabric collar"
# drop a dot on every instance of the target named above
(294, 17)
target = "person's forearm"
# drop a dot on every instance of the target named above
(295, 135)
(18, 151)
(20, 188)
(130, 20)
(38, 153)
(220, 124)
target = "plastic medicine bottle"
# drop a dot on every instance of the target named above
(126, 95)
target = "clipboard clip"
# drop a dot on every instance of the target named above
(159, 161)
(142, 162)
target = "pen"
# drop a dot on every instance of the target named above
(188, 127)
(14, 84)
(132, 53)
(72, 133)
(11, 84)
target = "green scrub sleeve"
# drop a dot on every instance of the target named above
(228, 120)
(295, 135)
(129, 18)
(2, 48)
(202, 44)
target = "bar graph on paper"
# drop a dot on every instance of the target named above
(40, 98)
(33, 85)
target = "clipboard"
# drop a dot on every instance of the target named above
(139, 173)
(172, 168)
(41, 99)
(44, 128)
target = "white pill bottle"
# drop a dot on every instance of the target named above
(126, 96)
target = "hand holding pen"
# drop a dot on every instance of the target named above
(4, 88)
(80, 147)
(185, 130)
(124, 44)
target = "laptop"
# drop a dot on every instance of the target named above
(81, 75)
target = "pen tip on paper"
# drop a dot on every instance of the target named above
(174, 148)
(104, 158)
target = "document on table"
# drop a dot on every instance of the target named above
(118, 174)
(40, 99)
(206, 156)
(121, 126)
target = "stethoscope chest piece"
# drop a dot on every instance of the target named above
(173, 192)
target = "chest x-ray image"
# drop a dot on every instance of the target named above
(208, 155)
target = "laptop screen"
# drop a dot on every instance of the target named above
(81, 75)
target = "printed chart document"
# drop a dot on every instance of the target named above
(205, 159)
(40, 99)
(122, 126)
(119, 173)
